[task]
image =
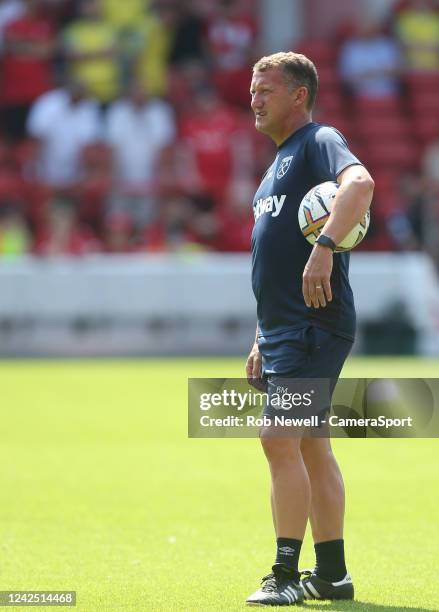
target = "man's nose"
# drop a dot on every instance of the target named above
(257, 102)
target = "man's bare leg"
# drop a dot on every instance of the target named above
(327, 508)
(291, 492)
(327, 489)
(290, 496)
(273, 510)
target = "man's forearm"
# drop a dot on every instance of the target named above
(351, 204)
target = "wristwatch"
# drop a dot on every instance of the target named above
(326, 241)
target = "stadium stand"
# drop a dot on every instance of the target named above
(193, 61)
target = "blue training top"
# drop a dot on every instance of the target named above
(311, 155)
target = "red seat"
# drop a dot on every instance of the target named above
(427, 103)
(426, 127)
(321, 52)
(399, 155)
(378, 107)
(384, 128)
(419, 83)
(329, 102)
(387, 199)
(342, 123)
(385, 180)
(329, 78)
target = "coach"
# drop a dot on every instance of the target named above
(306, 318)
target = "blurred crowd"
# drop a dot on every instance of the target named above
(389, 74)
(125, 126)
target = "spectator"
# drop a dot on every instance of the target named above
(204, 224)
(188, 77)
(215, 148)
(118, 234)
(63, 121)
(28, 49)
(413, 224)
(94, 187)
(237, 217)
(370, 63)
(155, 33)
(184, 224)
(169, 232)
(10, 10)
(132, 22)
(14, 236)
(90, 46)
(187, 43)
(231, 41)
(416, 27)
(430, 166)
(61, 233)
(140, 129)
(60, 12)
(124, 16)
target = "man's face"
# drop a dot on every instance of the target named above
(272, 102)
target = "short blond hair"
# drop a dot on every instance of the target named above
(298, 71)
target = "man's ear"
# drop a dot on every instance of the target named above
(301, 95)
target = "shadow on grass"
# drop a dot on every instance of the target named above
(362, 606)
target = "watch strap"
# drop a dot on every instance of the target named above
(326, 241)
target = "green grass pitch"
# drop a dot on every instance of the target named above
(103, 493)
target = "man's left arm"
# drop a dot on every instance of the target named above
(350, 205)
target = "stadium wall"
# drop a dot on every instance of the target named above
(193, 304)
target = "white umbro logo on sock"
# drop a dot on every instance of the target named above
(287, 550)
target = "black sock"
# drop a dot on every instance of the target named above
(330, 562)
(288, 551)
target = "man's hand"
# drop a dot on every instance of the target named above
(316, 284)
(253, 368)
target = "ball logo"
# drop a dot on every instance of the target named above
(284, 166)
(314, 211)
(313, 226)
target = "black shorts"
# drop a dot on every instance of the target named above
(308, 353)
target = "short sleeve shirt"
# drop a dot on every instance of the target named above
(310, 156)
(100, 74)
(25, 77)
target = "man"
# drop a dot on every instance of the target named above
(27, 70)
(141, 130)
(306, 319)
(64, 121)
(370, 62)
(90, 45)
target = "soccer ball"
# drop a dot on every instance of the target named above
(314, 211)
